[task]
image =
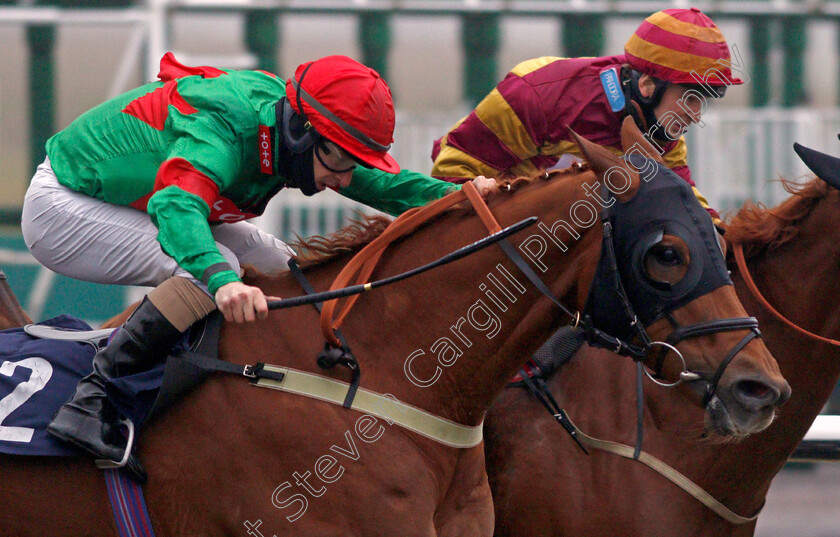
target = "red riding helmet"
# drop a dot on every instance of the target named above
(348, 103)
(682, 46)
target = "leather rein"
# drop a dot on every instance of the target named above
(738, 250)
(362, 265)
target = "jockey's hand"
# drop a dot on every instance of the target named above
(241, 303)
(484, 185)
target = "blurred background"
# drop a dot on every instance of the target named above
(440, 57)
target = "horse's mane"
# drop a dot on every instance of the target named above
(317, 250)
(762, 229)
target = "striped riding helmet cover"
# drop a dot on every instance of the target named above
(682, 46)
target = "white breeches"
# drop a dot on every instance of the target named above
(91, 240)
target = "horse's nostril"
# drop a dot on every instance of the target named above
(756, 394)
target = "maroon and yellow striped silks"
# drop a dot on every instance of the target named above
(682, 46)
(522, 126)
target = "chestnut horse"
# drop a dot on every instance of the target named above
(233, 460)
(544, 485)
(11, 314)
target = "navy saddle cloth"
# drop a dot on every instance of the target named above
(37, 376)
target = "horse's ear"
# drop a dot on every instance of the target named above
(632, 136)
(824, 166)
(604, 162)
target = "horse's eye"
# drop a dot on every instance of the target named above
(666, 255)
(666, 262)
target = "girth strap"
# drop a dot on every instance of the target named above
(128, 505)
(387, 407)
(216, 365)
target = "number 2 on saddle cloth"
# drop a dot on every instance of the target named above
(38, 375)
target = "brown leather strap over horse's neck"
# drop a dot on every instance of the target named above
(359, 269)
(745, 273)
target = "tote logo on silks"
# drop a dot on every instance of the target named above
(612, 87)
(265, 149)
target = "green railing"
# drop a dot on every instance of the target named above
(772, 26)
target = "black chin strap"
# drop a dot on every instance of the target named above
(296, 166)
(643, 111)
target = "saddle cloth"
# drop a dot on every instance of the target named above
(38, 375)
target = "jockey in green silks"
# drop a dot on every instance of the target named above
(155, 187)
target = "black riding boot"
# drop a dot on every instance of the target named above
(89, 420)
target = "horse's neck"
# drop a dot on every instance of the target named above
(470, 384)
(799, 280)
(11, 313)
(802, 285)
(469, 325)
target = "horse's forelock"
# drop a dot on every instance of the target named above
(760, 228)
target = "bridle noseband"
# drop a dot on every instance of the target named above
(597, 337)
(704, 328)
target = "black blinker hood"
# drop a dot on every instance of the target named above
(677, 212)
(824, 166)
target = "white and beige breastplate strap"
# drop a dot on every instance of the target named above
(387, 407)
